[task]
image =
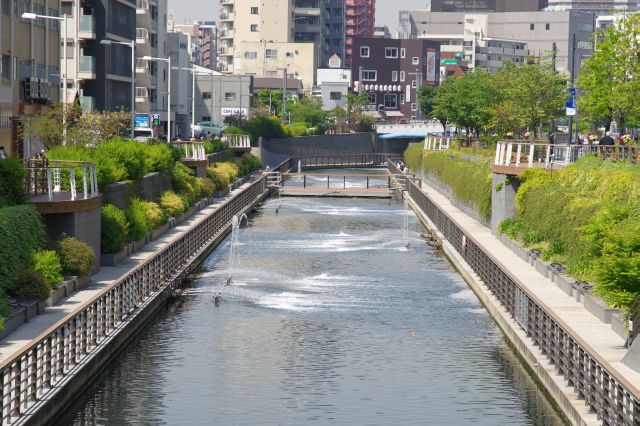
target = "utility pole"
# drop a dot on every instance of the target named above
(284, 96)
(573, 63)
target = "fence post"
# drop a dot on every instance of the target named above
(531, 154)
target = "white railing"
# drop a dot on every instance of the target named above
(191, 150)
(51, 176)
(531, 154)
(237, 141)
(429, 126)
(437, 143)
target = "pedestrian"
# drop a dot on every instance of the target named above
(3, 154)
(552, 138)
(606, 141)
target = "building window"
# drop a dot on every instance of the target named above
(414, 107)
(415, 60)
(394, 75)
(391, 52)
(364, 51)
(401, 75)
(532, 27)
(289, 54)
(402, 98)
(230, 96)
(335, 96)
(6, 7)
(582, 44)
(403, 52)
(5, 67)
(254, 28)
(254, 10)
(547, 27)
(369, 75)
(206, 95)
(372, 98)
(271, 54)
(250, 55)
(206, 118)
(390, 101)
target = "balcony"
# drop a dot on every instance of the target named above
(87, 27)
(227, 2)
(87, 68)
(142, 36)
(306, 11)
(142, 95)
(142, 7)
(226, 34)
(227, 16)
(88, 103)
(226, 51)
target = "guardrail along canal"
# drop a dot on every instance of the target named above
(329, 319)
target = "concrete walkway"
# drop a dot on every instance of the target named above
(14, 342)
(598, 335)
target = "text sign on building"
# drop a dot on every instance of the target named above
(449, 62)
(233, 111)
(142, 120)
(431, 66)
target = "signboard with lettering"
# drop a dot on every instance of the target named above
(431, 66)
(142, 120)
(233, 111)
(449, 62)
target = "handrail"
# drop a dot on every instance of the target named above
(237, 141)
(40, 367)
(604, 389)
(191, 150)
(437, 143)
(44, 176)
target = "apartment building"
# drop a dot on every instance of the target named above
(541, 32)
(220, 95)
(318, 22)
(29, 65)
(181, 82)
(390, 71)
(360, 23)
(486, 5)
(597, 6)
(98, 75)
(202, 41)
(152, 75)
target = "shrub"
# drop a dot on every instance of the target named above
(413, 156)
(219, 179)
(172, 204)
(30, 285)
(204, 187)
(131, 154)
(183, 182)
(21, 232)
(160, 157)
(299, 129)
(267, 127)
(114, 229)
(137, 222)
(233, 130)
(227, 169)
(76, 257)
(12, 174)
(251, 162)
(153, 214)
(47, 264)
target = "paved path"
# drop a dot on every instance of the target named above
(598, 335)
(22, 336)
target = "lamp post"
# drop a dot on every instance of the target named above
(33, 16)
(132, 45)
(167, 60)
(194, 71)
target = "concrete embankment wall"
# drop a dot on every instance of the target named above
(150, 187)
(209, 228)
(536, 361)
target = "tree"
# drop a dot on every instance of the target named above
(610, 78)
(307, 110)
(426, 94)
(271, 99)
(530, 95)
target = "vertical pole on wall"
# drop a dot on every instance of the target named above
(284, 97)
(64, 81)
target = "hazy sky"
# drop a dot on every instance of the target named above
(204, 10)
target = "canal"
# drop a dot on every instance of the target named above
(329, 319)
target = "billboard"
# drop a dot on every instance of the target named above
(431, 66)
(142, 120)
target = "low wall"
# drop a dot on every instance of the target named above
(150, 187)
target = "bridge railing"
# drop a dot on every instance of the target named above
(191, 150)
(437, 143)
(39, 369)
(44, 176)
(532, 154)
(237, 141)
(604, 390)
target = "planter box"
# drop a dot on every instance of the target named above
(157, 233)
(27, 310)
(618, 325)
(62, 291)
(112, 259)
(599, 308)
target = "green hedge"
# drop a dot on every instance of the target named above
(21, 233)
(413, 156)
(114, 229)
(120, 159)
(12, 174)
(469, 180)
(587, 217)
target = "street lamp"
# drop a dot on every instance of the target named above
(167, 60)
(33, 16)
(132, 45)
(194, 71)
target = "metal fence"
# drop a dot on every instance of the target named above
(45, 176)
(191, 150)
(603, 389)
(35, 372)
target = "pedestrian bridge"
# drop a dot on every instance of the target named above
(409, 129)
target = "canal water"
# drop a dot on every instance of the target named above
(329, 319)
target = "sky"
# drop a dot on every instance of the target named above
(205, 10)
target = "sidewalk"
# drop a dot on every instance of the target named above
(593, 332)
(28, 331)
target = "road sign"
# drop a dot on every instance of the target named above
(449, 62)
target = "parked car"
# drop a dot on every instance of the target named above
(208, 127)
(144, 134)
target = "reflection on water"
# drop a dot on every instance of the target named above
(330, 320)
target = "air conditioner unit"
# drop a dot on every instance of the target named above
(28, 89)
